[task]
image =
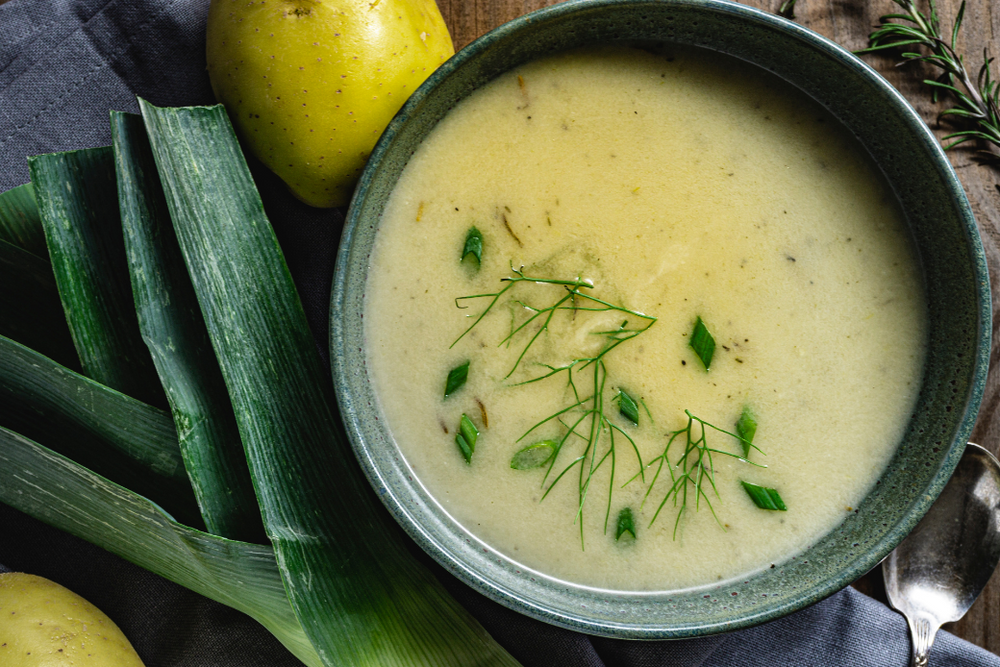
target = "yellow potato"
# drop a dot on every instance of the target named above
(311, 84)
(43, 624)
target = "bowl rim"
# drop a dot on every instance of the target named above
(339, 351)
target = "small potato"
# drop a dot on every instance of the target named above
(43, 624)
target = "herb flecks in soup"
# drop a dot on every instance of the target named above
(698, 327)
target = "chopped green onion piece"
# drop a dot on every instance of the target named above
(456, 379)
(473, 245)
(466, 438)
(628, 407)
(746, 428)
(702, 343)
(626, 524)
(533, 456)
(764, 497)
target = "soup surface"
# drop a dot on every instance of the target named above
(660, 189)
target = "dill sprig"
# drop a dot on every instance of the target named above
(693, 471)
(586, 416)
(976, 101)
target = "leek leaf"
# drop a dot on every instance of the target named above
(702, 343)
(466, 437)
(19, 221)
(78, 202)
(534, 456)
(473, 246)
(175, 334)
(361, 597)
(628, 407)
(626, 524)
(119, 437)
(30, 311)
(764, 497)
(67, 496)
(456, 379)
(746, 428)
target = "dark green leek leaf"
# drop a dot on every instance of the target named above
(456, 379)
(702, 343)
(30, 311)
(67, 496)
(174, 331)
(628, 408)
(626, 524)
(361, 597)
(746, 428)
(764, 497)
(129, 442)
(19, 220)
(533, 456)
(78, 201)
(473, 245)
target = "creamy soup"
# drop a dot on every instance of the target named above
(683, 187)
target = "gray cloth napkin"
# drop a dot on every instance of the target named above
(63, 65)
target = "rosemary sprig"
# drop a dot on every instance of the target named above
(976, 101)
(787, 9)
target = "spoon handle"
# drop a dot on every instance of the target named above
(922, 632)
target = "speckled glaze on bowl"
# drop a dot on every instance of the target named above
(950, 252)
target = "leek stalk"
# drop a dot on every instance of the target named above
(64, 494)
(30, 310)
(20, 223)
(361, 598)
(174, 331)
(117, 436)
(76, 195)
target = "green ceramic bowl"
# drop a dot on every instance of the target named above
(956, 285)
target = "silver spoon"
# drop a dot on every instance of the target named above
(939, 570)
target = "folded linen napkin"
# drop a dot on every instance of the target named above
(63, 65)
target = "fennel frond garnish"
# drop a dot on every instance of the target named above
(587, 418)
(693, 470)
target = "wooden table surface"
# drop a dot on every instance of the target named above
(848, 22)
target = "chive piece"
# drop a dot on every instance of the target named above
(628, 407)
(456, 379)
(466, 437)
(764, 497)
(746, 428)
(533, 456)
(626, 524)
(473, 245)
(702, 343)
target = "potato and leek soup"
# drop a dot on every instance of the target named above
(644, 321)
